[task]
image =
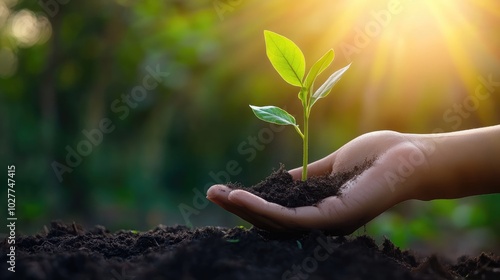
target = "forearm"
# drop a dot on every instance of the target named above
(460, 163)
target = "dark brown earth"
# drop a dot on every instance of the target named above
(281, 188)
(68, 251)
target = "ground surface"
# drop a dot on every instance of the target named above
(70, 252)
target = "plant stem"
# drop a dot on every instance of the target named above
(305, 142)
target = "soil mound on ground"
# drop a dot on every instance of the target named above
(68, 251)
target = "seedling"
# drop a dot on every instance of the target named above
(288, 60)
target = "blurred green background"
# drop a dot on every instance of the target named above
(67, 67)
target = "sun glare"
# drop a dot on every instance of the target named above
(412, 60)
(425, 51)
(420, 58)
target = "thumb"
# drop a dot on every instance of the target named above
(317, 168)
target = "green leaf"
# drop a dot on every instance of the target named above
(286, 57)
(318, 67)
(274, 115)
(327, 86)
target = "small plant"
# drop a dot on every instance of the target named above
(288, 60)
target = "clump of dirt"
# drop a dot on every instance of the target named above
(281, 188)
(69, 251)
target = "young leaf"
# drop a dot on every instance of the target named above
(318, 67)
(286, 57)
(327, 86)
(303, 96)
(274, 115)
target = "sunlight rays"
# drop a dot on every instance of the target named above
(411, 59)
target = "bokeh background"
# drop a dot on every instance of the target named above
(65, 66)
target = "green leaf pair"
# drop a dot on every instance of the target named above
(288, 60)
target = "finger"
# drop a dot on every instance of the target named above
(219, 195)
(300, 218)
(317, 168)
(274, 217)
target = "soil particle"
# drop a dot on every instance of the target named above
(281, 188)
(223, 253)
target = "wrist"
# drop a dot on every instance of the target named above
(458, 164)
(431, 173)
(415, 167)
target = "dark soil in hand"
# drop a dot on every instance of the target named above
(282, 189)
(71, 252)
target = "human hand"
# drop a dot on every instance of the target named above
(377, 189)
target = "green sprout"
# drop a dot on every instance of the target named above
(299, 244)
(288, 60)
